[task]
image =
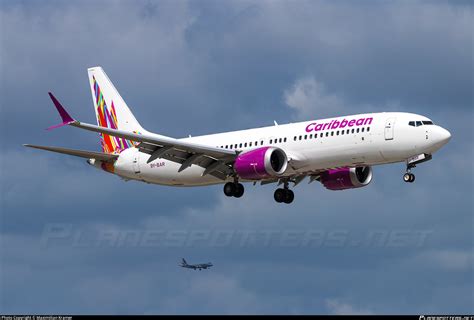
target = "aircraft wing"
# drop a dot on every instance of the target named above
(107, 157)
(296, 179)
(216, 161)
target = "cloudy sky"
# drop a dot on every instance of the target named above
(77, 240)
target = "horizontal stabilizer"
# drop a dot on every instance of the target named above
(108, 157)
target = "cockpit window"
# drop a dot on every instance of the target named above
(419, 123)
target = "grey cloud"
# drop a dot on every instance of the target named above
(199, 67)
(340, 308)
(309, 97)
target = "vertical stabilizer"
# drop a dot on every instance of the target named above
(111, 111)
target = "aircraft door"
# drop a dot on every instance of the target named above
(389, 128)
(136, 162)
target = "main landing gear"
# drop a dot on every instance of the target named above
(284, 194)
(234, 189)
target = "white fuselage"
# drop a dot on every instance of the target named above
(311, 146)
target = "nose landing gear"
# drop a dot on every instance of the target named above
(408, 176)
(284, 194)
(412, 162)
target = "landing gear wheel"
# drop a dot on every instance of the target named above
(279, 195)
(229, 189)
(408, 177)
(239, 190)
(289, 196)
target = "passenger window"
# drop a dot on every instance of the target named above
(337, 132)
(342, 132)
(311, 136)
(250, 144)
(327, 134)
(321, 135)
(305, 136)
(357, 130)
(245, 145)
(261, 143)
(284, 140)
(362, 129)
(332, 133)
(294, 138)
(300, 137)
(347, 132)
(271, 141)
(368, 129)
(279, 140)
(353, 130)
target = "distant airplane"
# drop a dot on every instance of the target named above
(338, 152)
(201, 266)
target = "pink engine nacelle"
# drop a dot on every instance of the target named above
(346, 178)
(261, 163)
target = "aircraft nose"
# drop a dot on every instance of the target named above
(442, 136)
(445, 135)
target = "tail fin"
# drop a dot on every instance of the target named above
(111, 111)
(184, 261)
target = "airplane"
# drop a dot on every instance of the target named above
(338, 152)
(200, 266)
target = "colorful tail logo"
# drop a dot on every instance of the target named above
(108, 119)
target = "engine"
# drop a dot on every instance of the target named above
(261, 163)
(346, 178)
